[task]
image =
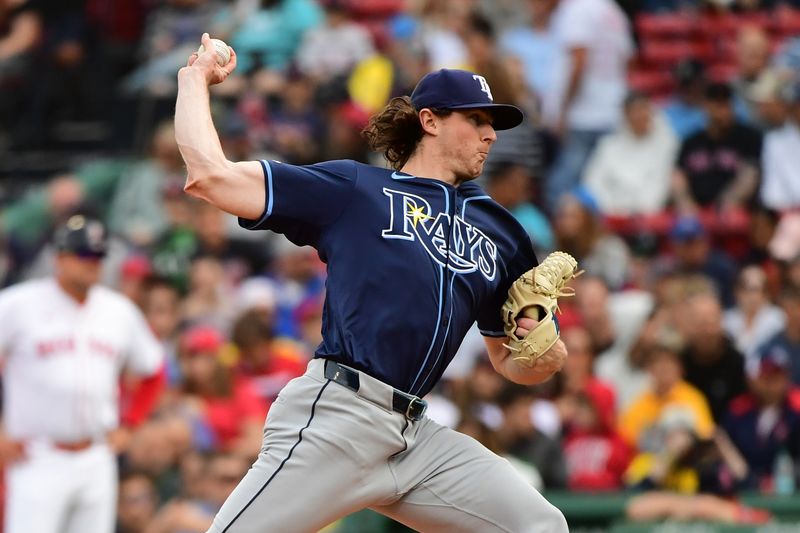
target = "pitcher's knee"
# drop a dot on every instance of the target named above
(552, 521)
(540, 519)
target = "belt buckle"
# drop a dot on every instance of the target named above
(411, 406)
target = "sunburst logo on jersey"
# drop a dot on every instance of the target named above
(416, 213)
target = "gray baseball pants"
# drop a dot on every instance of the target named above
(329, 451)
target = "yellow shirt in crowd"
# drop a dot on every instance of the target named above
(646, 410)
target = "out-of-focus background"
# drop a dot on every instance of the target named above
(661, 148)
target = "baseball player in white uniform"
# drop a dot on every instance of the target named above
(65, 341)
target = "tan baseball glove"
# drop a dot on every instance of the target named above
(535, 295)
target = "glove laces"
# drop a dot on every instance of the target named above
(553, 273)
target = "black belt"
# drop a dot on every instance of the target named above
(411, 406)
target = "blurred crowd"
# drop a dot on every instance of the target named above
(659, 149)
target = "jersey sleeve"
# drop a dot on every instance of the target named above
(311, 196)
(145, 354)
(490, 319)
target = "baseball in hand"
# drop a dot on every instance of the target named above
(223, 52)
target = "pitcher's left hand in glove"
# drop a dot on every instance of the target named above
(535, 295)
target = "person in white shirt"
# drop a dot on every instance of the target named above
(629, 171)
(780, 186)
(334, 48)
(597, 37)
(65, 340)
(755, 319)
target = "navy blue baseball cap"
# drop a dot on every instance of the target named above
(461, 89)
(82, 236)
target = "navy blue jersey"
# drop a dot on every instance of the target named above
(412, 263)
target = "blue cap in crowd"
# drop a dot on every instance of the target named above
(687, 228)
(461, 89)
(770, 359)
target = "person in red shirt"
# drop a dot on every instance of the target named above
(224, 408)
(595, 453)
(269, 362)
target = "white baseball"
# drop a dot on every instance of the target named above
(223, 52)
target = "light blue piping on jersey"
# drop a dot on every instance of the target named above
(268, 173)
(396, 176)
(435, 332)
(441, 291)
(450, 291)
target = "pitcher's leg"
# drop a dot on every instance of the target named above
(468, 489)
(319, 462)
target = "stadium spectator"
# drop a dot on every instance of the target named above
(718, 166)
(763, 224)
(510, 185)
(137, 212)
(578, 375)
(208, 300)
(441, 30)
(593, 87)
(592, 304)
(270, 32)
(754, 319)
(20, 31)
(780, 188)
(613, 321)
(711, 361)
(220, 475)
(295, 129)
(579, 231)
(765, 420)
(267, 362)
(137, 503)
(133, 274)
(308, 316)
(161, 305)
(542, 58)
(693, 253)
(297, 276)
(639, 424)
(752, 61)
(223, 409)
(334, 47)
(595, 454)
(523, 145)
(522, 440)
(629, 171)
(684, 109)
(155, 449)
(170, 35)
(689, 478)
(767, 101)
(239, 257)
(788, 339)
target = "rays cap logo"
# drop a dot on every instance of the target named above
(461, 89)
(82, 236)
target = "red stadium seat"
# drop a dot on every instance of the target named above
(668, 53)
(652, 82)
(718, 25)
(664, 25)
